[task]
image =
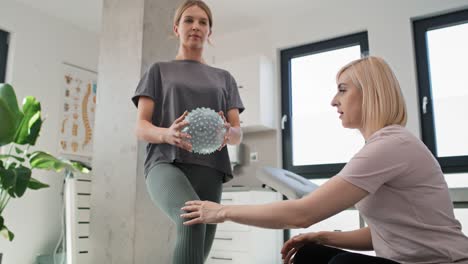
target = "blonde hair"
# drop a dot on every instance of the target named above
(382, 100)
(189, 3)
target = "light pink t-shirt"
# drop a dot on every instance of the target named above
(408, 209)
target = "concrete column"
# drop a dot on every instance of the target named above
(125, 226)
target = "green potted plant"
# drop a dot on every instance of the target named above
(19, 130)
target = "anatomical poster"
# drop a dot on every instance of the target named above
(79, 104)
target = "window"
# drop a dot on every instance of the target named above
(315, 145)
(441, 54)
(3, 54)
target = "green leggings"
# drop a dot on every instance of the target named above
(170, 186)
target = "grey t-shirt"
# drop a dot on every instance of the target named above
(180, 85)
(408, 208)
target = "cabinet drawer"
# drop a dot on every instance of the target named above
(225, 257)
(233, 198)
(232, 241)
(229, 198)
(230, 226)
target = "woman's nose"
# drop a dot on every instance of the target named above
(334, 102)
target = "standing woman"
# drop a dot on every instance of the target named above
(394, 181)
(165, 94)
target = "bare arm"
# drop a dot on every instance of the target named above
(145, 130)
(235, 132)
(359, 239)
(332, 197)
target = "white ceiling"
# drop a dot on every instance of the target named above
(229, 15)
(235, 15)
(85, 14)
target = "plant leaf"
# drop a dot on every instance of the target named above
(28, 130)
(15, 180)
(79, 167)
(19, 151)
(23, 175)
(7, 233)
(10, 114)
(8, 178)
(18, 158)
(12, 165)
(36, 185)
(45, 161)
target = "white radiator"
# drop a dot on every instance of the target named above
(77, 218)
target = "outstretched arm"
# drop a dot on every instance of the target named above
(332, 197)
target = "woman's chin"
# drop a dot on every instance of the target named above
(348, 125)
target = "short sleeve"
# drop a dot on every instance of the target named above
(149, 85)
(377, 163)
(234, 100)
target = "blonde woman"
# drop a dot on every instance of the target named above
(174, 174)
(394, 181)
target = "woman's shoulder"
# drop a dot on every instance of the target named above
(223, 73)
(155, 66)
(393, 135)
(217, 69)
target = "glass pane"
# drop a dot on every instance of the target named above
(448, 54)
(457, 180)
(317, 134)
(461, 214)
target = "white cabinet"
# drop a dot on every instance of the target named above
(255, 79)
(235, 243)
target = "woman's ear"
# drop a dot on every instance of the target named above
(176, 30)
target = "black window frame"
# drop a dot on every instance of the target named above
(452, 164)
(4, 37)
(321, 170)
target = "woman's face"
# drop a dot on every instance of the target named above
(193, 29)
(348, 102)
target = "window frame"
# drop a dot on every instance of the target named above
(4, 37)
(286, 55)
(450, 164)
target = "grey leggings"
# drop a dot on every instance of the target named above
(170, 186)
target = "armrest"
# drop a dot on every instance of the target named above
(288, 183)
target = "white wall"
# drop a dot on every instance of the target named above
(39, 46)
(389, 28)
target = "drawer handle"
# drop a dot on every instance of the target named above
(227, 199)
(224, 238)
(219, 258)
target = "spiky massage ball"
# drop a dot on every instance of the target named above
(206, 128)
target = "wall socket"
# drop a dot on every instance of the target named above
(254, 156)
